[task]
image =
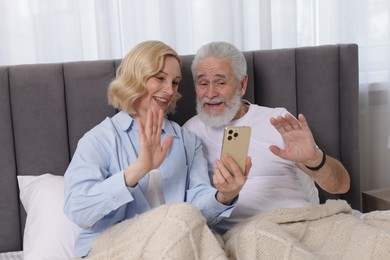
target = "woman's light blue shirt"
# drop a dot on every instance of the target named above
(96, 196)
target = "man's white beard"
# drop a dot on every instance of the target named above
(226, 117)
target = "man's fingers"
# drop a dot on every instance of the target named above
(303, 121)
(276, 150)
(248, 165)
(293, 122)
(217, 177)
(236, 170)
(224, 172)
(281, 124)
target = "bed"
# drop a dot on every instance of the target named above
(46, 108)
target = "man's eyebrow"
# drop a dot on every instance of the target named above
(223, 76)
(200, 76)
(220, 76)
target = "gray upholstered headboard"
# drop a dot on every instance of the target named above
(46, 108)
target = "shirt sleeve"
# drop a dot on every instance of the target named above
(91, 191)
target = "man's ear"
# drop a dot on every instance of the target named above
(244, 83)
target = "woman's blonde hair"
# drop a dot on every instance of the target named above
(144, 61)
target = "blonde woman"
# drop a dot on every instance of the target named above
(129, 165)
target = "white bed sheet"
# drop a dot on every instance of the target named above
(16, 255)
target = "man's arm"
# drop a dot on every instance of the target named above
(301, 148)
(331, 177)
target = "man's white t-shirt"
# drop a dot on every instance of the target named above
(272, 181)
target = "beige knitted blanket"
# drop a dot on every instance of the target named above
(178, 231)
(327, 231)
(172, 231)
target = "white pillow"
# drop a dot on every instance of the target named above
(48, 233)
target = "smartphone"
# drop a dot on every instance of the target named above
(236, 143)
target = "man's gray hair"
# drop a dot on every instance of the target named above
(222, 50)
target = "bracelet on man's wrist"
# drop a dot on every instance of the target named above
(321, 164)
